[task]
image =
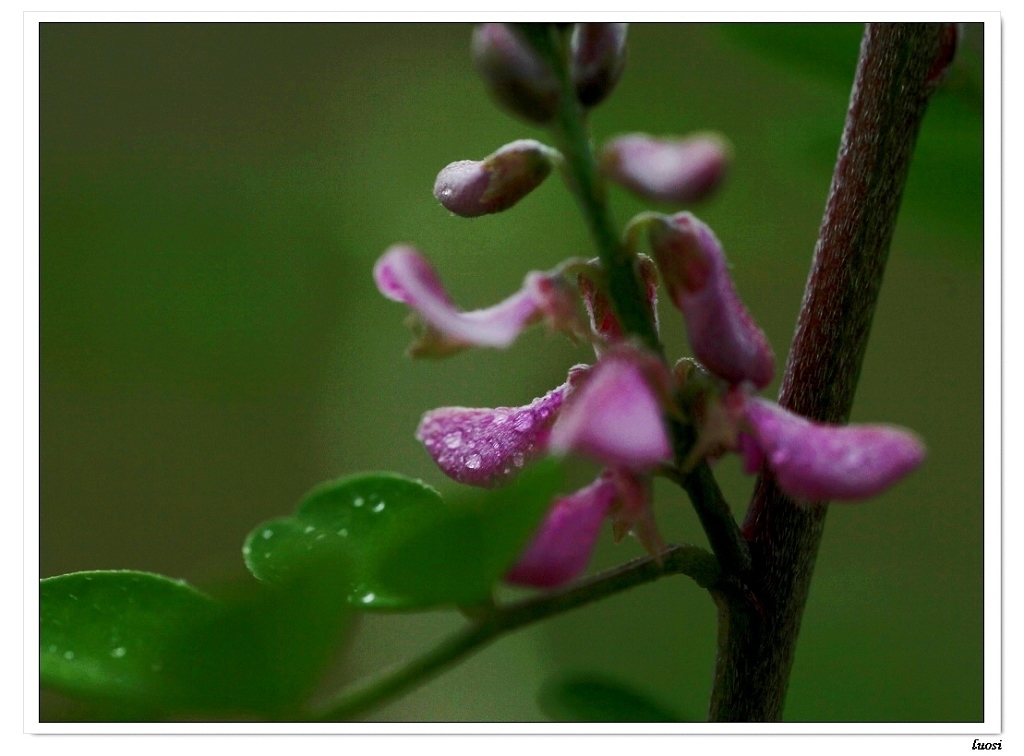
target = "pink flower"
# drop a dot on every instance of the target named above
(817, 462)
(404, 275)
(723, 335)
(472, 188)
(676, 171)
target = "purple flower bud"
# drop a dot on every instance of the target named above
(816, 462)
(471, 188)
(488, 447)
(598, 59)
(404, 275)
(562, 546)
(614, 417)
(515, 76)
(676, 171)
(723, 335)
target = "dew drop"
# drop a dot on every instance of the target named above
(52, 649)
(368, 598)
(517, 459)
(379, 507)
(309, 529)
(523, 422)
(246, 550)
(358, 502)
(320, 536)
(69, 655)
(268, 533)
(473, 462)
(343, 532)
(453, 440)
(500, 418)
(119, 652)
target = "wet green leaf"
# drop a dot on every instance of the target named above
(457, 556)
(346, 521)
(106, 635)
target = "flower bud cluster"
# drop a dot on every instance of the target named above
(617, 411)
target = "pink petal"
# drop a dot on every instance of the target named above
(472, 188)
(678, 171)
(816, 462)
(487, 447)
(404, 275)
(614, 417)
(561, 548)
(723, 335)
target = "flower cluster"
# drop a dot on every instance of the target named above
(615, 410)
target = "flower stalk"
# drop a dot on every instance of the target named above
(894, 80)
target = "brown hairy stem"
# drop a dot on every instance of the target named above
(759, 623)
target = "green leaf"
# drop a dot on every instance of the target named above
(134, 639)
(106, 635)
(458, 555)
(344, 521)
(266, 647)
(593, 698)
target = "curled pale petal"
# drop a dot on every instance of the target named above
(817, 462)
(598, 59)
(614, 417)
(723, 335)
(404, 275)
(517, 79)
(561, 547)
(603, 321)
(487, 447)
(677, 171)
(472, 188)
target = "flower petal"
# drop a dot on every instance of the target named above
(561, 548)
(723, 335)
(678, 171)
(614, 417)
(634, 512)
(404, 275)
(472, 188)
(487, 447)
(817, 462)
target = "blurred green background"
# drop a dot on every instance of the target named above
(213, 198)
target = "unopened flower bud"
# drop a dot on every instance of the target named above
(472, 188)
(516, 77)
(723, 335)
(677, 171)
(598, 59)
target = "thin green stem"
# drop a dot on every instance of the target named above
(675, 560)
(629, 299)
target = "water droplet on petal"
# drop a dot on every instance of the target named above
(473, 462)
(499, 418)
(453, 440)
(523, 422)
(518, 459)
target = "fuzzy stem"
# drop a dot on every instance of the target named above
(758, 630)
(675, 560)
